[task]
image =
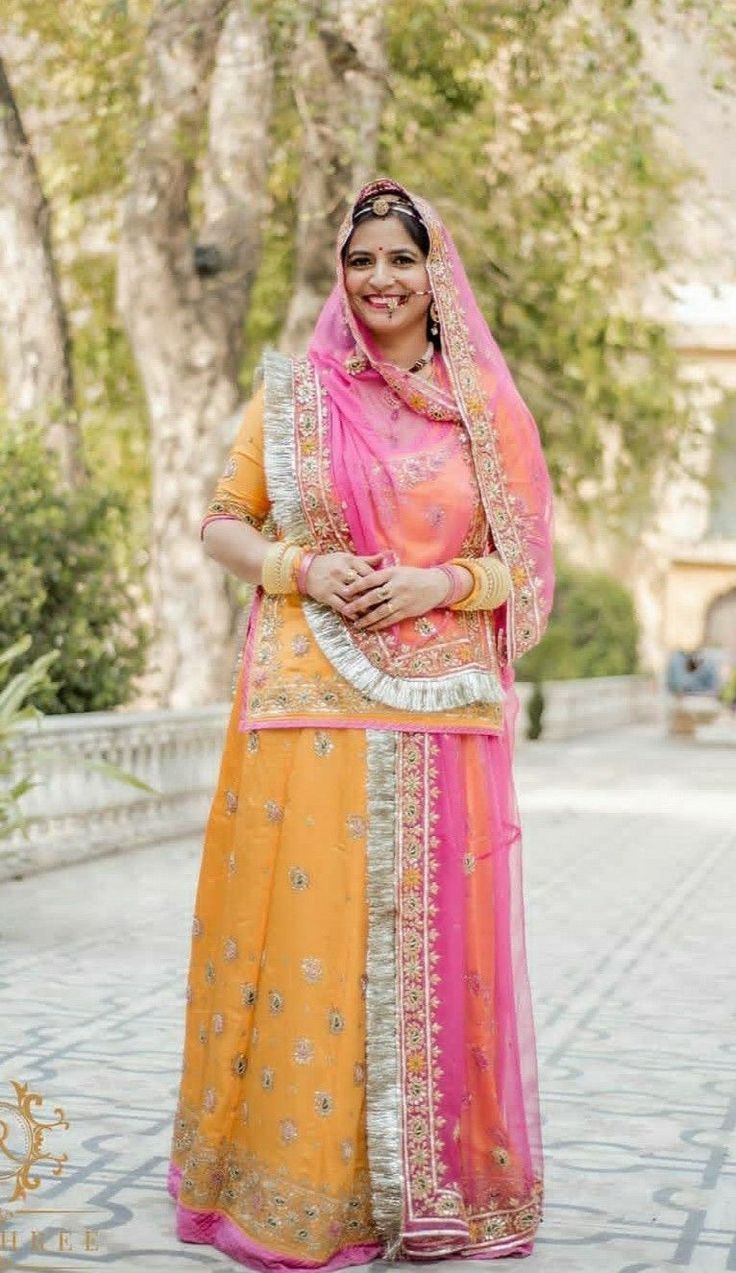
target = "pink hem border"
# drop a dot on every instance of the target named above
(212, 1228)
(361, 722)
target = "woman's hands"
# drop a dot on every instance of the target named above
(380, 598)
(331, 576)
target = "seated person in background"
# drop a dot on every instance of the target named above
(692, 672)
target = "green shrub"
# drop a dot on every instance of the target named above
(65, 580)
(535, 712)
(593, 630)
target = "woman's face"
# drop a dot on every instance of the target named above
(384, 269)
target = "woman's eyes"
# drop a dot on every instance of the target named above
(365, 262)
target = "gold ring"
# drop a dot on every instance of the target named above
(384, 592)
(351, 575)
(389, 607)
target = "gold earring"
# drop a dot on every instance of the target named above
(434, 319)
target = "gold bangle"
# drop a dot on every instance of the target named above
(471, 601)
(279, 569)
(491, 583)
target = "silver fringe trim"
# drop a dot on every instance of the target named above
(383, 1093)
(279, 447)
(438, 694)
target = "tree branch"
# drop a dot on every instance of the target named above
(33, 326)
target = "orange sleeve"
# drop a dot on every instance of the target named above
(241, 492)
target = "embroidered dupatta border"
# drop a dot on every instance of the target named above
(418, 1213)
(298, 478)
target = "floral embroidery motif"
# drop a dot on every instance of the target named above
(300, 645)
(231, 865)
(260, 1194)
(419, 1044)
(323, 744)
(239, 1064)
(226, 506)
(218, 1023)
(336, 1021)
(230, 949)
(312, 969)
(209, 973)
(275, 1001)
(197, 927)
(356, 826)
(274, 811)
(323, 1103)
(230, 468)
(299, 879)
(358, 1074)
(203, 1034)
(248, 994)
(303, 1051)
(288, 1131)
(346, 1150)
(469, 863)
(210, 1100)
(231, 803)
(502, 1156)
(254, 741)
(267, 1078)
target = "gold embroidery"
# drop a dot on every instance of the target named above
(323, 1103)
(303, 1051)
(299, 879)
(288, 1132)
(274, 811)
(323, 744)
(226, 506)
(254, 1194)
(312, 969)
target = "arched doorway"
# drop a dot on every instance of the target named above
(720, 623)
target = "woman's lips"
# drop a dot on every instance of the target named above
(385, 302)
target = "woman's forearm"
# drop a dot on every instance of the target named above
(238, 547)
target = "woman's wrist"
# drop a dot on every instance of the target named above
(459, 583)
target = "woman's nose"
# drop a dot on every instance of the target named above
(382, 272)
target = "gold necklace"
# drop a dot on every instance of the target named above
(426, 357)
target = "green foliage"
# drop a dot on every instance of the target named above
(64, 579)
(535, 712)
(15, 711)
(532, 126)
(593, 630)
(555, 186)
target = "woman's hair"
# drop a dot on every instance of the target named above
(415, 228)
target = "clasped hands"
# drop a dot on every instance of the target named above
(370, 596)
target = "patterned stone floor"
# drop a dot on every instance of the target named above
(630, 870)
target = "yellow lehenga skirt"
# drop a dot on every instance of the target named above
(270, 1150)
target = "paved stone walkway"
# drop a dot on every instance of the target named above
(630, 869)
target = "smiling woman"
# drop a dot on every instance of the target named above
(359, 1072)
(388, 286)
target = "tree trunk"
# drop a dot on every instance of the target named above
(184, 301)
(33, 328)
(339, 84)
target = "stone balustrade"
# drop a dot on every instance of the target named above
(597, 703)
(76, 812)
